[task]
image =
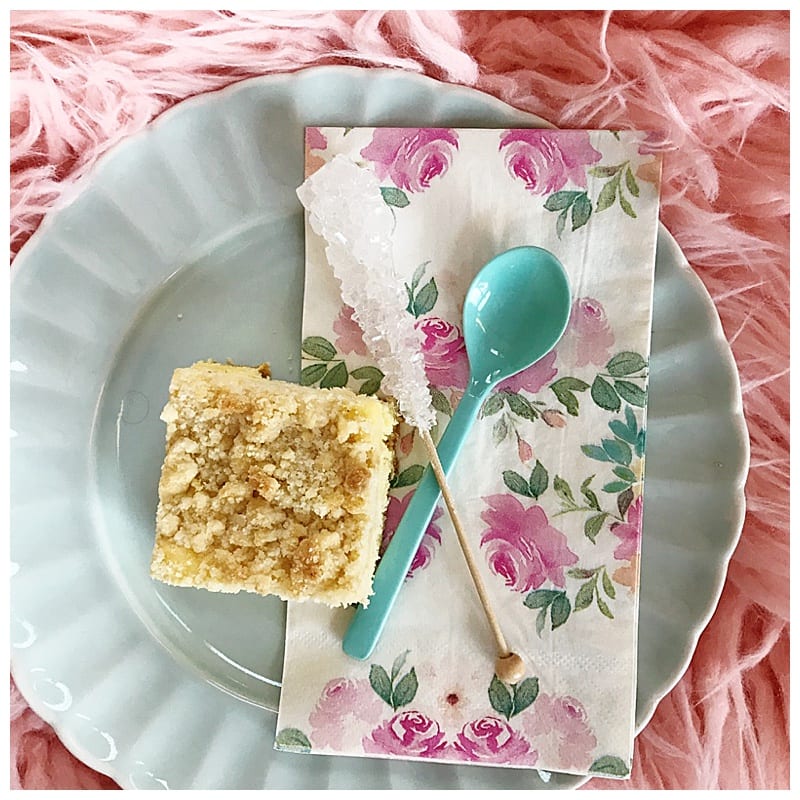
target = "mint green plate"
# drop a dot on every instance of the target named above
(186, 242)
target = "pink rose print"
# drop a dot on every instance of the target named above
(430, 539)
(588, 337)
(342, 703)
(546, 160)
(350, 337)
(446, 362)
(406, 443)
(521, 545)
(561, 733)
(629, 532)
(553, 418)
(315, 139)
(534, 377)
(491, 740)
(408, 733)
(524, 450)
(411, 157)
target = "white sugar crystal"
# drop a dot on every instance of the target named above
(346, 208)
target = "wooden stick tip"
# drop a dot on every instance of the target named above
(510, 668)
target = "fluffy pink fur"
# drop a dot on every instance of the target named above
(714, 84)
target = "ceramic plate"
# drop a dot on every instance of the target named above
(186, 242)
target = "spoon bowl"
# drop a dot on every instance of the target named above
(516, 309)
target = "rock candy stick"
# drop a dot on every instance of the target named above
(346, 208)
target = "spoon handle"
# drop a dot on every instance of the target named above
(368, 622)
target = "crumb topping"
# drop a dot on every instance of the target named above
(271, 487)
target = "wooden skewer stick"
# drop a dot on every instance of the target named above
(509, 667)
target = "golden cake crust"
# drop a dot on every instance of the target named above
(271, 487)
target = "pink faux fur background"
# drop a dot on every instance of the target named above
(716, 85)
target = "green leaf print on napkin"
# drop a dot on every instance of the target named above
(394, 197)
(593, 525)
(579, 204)
(319, 347)
(396, 693)
(422, 301)
(538, 480)
(589, 591)
(440, 402)
(492, 405)
(565, 201)
(513, 699)
(293, 739)
(330, 372)
(312, 374)
(336, 377)
(533, 487)
(552, 600)
(610, 388)
(520, 405)
(625, 363)
(627, 445)
(610, 765)
(604, 395)
(564, 389)
(371, 376)
(612, 189)
(408, 477)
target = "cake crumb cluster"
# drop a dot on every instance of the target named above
(271, 487)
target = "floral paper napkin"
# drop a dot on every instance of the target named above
(549, 482)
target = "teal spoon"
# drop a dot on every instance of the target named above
(515, 311)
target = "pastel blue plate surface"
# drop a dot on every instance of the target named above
(186, 243)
